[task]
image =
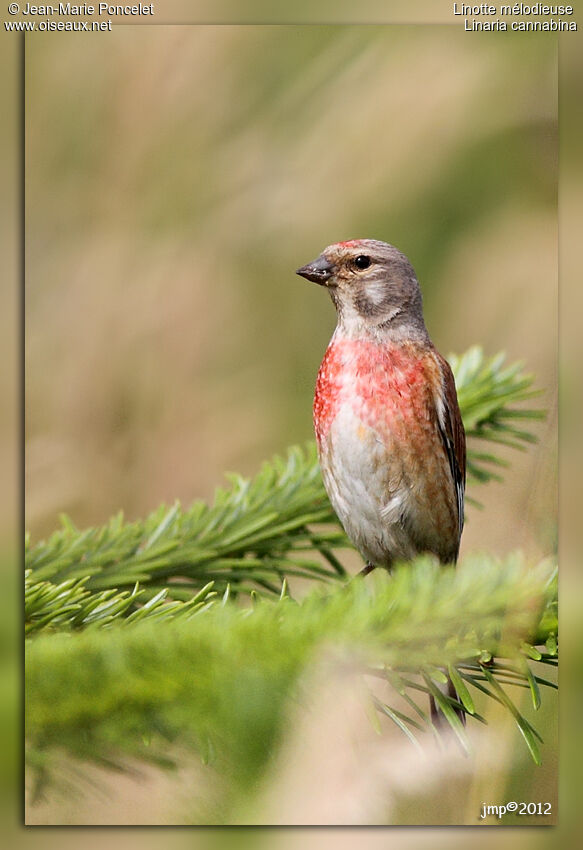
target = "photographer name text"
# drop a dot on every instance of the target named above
(87, 10)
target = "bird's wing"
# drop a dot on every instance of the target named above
(453, 435)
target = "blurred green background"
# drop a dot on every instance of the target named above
(175, 179)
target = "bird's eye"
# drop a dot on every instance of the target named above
(362, 262)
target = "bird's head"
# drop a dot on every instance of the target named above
(372, 285)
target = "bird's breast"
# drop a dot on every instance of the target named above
(384, 385)
(381, 453)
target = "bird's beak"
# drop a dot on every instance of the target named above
(319, 271)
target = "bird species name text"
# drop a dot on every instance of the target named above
(473, 15)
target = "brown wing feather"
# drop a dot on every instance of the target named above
(453, 435)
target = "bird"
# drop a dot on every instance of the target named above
(390, 438)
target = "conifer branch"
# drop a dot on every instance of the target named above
(156, 595)
(259, 531)
(487, 393)
(254, 534)
(220, 680)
